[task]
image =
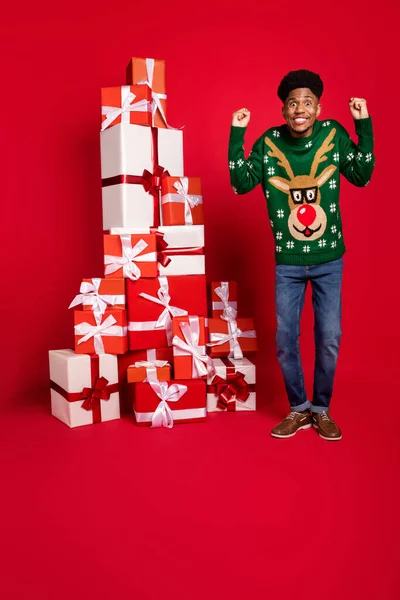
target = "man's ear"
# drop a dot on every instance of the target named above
(319, 108)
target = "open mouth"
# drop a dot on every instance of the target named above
(300, 120)
(307, 232)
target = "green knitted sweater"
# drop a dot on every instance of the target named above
(301, 183)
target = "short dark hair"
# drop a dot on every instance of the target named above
(300, 79)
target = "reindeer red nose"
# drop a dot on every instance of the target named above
(306, 215)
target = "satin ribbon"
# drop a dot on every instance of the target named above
(182, 187)
(228, 390)
(164, 257)
(162, 416)
(97, 331)
(185, 414)
(151, 367)
(89, 294)
(100, 390)
(151, 363)
(201, 363)
(152, 181)
(164, 321)
(130, 256)
(229, 312)
(127, 106)
(233, 335)
(162, 246)
(157, 97)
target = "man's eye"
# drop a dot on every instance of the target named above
(293, 104)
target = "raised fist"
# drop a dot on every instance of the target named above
(241, 118)
(358, 108)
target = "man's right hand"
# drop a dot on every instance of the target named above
(241, 118)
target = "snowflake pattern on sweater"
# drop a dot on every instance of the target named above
(301, 183)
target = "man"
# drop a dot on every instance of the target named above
(298, 166)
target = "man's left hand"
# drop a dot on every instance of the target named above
(358, 108)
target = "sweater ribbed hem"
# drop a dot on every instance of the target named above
(309, 258)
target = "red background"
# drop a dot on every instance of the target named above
(218, 59)
(216, 510)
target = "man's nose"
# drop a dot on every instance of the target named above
(299, 109)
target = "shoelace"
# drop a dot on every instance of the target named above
(325, 417)
(292, 415)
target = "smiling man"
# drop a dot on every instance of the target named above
(298, 165)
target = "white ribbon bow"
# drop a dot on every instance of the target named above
(128, 106)
(151, 367)
(201, 363)
(229, 312)
(129, 258)
(164, 321)
(96, 331)
(155, 96)
(151, 363)
(232, 337)
(162, 416)
(90, 293)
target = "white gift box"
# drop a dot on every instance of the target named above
(187, 237)
(127, 204)
(128, 150)
(176, 236)
(71, 373)
(223, 366)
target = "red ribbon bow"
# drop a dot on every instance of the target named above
(152, 181)
(229, 390)
(161, 245)
(92, 396)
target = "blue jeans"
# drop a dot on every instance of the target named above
(326, 284)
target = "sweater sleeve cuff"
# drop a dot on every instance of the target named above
(237, 134)
(363, 126)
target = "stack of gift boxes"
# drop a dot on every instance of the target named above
(142, 337)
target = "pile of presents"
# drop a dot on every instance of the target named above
(143, 339)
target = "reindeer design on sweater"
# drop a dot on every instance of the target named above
(307, 219)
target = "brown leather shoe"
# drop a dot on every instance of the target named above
(292, 424)
(326, 427)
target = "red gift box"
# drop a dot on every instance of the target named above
(141, 370)
(164, 409)
(232, 338)
(150, 72)
(128, 359)
(97, 333)
(190, 359)
(151, 303)
(223, 299)
(130, 255)
(182, 201)
(126, 104)
(98, 294)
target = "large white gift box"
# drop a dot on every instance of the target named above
(84, 388)
(127, 151)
